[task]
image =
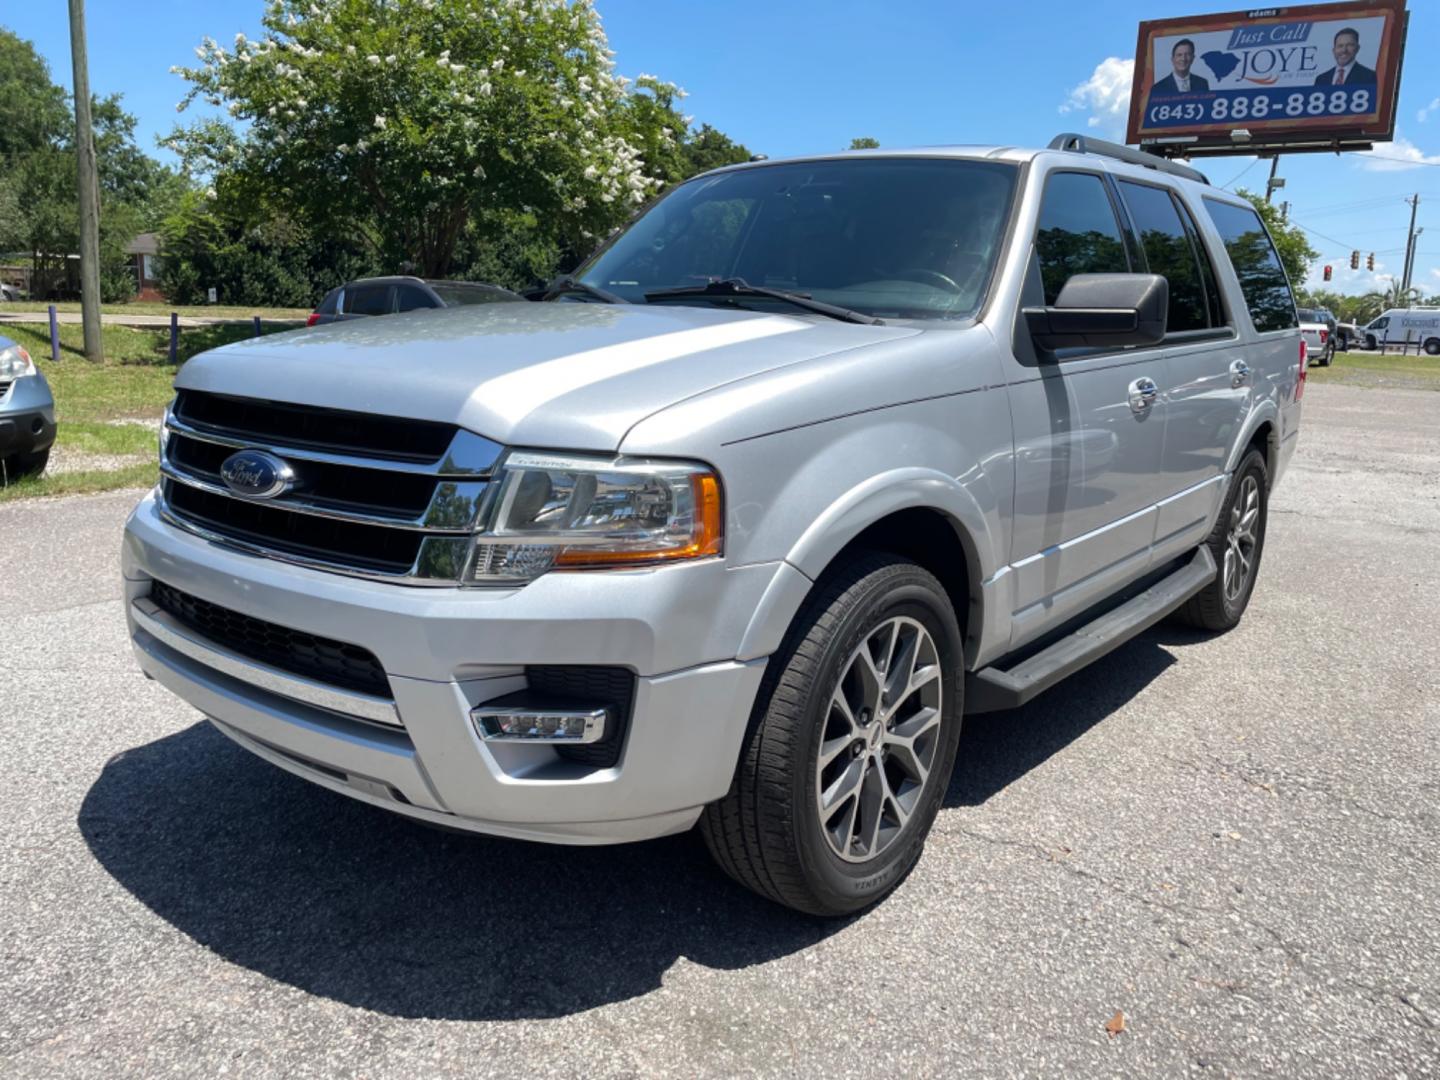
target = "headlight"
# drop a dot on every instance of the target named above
(575, 513)
(15, 362)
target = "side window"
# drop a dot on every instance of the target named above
(1207, 269)
(1169, 252)
(1078, 233)
(367, 300)
(1261, 274)
(327, 306)
(1380, 323)
(409, 298)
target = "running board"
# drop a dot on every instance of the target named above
(991, 689)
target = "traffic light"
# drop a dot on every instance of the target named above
(1327, 273)
(1354, 260)
(1370, 261)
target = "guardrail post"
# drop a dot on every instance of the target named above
(257, 325)
(174, 335)
(54, 336)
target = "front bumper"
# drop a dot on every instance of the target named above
(27, 417)
(446, 651)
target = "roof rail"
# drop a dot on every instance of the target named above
(1083, 144)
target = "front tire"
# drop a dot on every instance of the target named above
(852, 743)
(1236, 542)
(22, 465)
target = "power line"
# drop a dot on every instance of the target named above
(1241, 173)
(1403, 160)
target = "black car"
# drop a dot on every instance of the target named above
(387, 295)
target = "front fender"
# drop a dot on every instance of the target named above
(851, 514)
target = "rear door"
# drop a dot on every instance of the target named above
(1088, 442)
(1208, 383)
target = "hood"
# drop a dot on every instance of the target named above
(557, 375)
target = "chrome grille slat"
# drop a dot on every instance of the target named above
(349, 512)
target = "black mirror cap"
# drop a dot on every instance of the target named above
(1103, 311)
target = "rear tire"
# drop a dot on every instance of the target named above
(1328, 356)
(1432, 347)
(851, 745)
(1236, 542)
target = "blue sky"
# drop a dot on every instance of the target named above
(798, 76)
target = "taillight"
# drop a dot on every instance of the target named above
(313, 319)
(1324, 336)
(1304, 370)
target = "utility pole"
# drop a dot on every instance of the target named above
(1414, 202)
(1410, 258)
(1272, 183)
(89, 186)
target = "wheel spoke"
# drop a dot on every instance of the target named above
(872, 809)
(830, 749)
(838, 703)
(848, 783)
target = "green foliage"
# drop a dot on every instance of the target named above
(425, 126)
(270, 262)
(1350, 309)
(1294, 248)
(865, 142)
(38, 211)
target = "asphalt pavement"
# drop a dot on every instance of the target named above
(1232, 841)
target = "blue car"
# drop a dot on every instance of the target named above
(27, 414)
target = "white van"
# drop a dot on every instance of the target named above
(1416, 326)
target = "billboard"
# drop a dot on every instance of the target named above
(1316, 76)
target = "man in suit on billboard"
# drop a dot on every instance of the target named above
(1181, 81)
(1346, 71)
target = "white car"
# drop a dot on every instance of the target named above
(1319, 346)
(1418, 326)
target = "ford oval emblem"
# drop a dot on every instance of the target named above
(257, 475)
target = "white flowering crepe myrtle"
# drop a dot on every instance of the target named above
(402, 118)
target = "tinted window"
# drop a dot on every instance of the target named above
(905, 238)
(1262, 277)
(1207, 268)
(1169, 253)
(367, 300)
(1306, 315)
(327, 306)
(454, 294)
(408, 298)
(1078, 233)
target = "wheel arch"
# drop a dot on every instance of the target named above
(921, 514)
(1262, 430)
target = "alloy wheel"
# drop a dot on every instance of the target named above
(878, 743)
(1242, 541)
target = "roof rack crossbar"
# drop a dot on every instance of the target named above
(1083, 144)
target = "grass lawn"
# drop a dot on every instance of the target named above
(1381, 369)
(134, 383)
(136, 307)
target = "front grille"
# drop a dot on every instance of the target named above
(344, 543)
(267, 422)
(373, 495)
(590, 686)
(299, 653)
(4, 388)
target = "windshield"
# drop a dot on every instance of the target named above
(892, 237)
(1306, 315)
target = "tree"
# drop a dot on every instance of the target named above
(865, 143)
(410, 119)
(1294, 248)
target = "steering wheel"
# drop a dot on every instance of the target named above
(920, 273)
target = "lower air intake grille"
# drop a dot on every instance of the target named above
(306, 655)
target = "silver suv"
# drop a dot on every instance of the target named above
(813, 459)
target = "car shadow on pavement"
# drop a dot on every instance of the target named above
(996, 749)
(351, 902)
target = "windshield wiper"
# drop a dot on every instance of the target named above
(732, 287)
(567, 283)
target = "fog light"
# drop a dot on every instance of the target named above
(511, 723)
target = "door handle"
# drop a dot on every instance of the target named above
(1239, 373)
(1143, 393)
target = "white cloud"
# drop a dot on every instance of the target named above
(1424, 114)
(1105, 95)
(1397, 156)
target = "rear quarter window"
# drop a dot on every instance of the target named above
(1257, 265)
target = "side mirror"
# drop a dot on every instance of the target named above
(1104, 311)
